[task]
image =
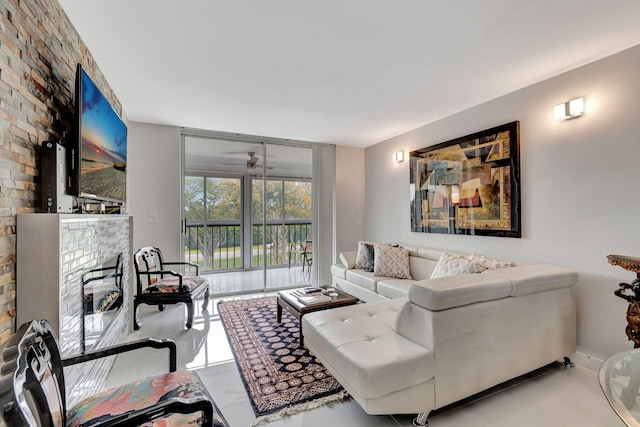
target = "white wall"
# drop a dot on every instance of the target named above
(154, 181)
(579, 184)
(349, 197)
(154, 177)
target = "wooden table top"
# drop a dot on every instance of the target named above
(291, 298)
(626, 262)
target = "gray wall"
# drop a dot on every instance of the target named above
(155, 186)
(349, 197)
(579, 186)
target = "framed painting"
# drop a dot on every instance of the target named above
(469, 185)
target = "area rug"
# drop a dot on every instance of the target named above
(280, 378)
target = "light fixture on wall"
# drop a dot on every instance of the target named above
(569, 110)
(398, 157)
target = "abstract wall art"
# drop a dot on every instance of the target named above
(469, 185)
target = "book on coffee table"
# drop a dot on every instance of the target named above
(314, 299)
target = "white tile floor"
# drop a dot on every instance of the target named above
(243, 281)
(562, 397)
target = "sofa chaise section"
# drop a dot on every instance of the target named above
(456, 335)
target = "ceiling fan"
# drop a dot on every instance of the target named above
(253, 160)
(252, 163)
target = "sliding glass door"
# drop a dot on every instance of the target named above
(248, 212)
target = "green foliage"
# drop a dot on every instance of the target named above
(211, 200)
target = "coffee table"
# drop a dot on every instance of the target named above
(289, 301)
(619, 378)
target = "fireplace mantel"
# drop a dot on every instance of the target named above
(53, 251)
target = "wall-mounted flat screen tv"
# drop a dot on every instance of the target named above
(99, 155)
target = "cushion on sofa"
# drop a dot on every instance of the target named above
(431, 253)
(339, 270)
(348, 258)
(361, 255)
(529, 279)
(454, 291)
(362, 278)
(391, 262)
(455, 265)
(421, 268)
(393, 288)
(362, 345)
(370, 257)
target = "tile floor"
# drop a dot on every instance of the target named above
(558, 397)
(246, 281)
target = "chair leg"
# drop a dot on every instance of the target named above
(189, 314)
(160, 307)
(136, 325)
(206, 300)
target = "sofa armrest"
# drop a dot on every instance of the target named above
(415, 323)
(348, 258)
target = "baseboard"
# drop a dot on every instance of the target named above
(586, 360)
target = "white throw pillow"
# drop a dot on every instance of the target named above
(391, 262)
(491, 263)
(455, 265)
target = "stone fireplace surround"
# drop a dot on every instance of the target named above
(54, 250)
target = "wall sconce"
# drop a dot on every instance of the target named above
(569, 110)
(398, 157)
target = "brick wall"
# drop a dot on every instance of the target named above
(39, 51)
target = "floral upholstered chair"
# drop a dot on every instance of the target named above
(159, 285)
(32, 388)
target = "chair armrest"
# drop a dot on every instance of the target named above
(162, 272)
(139, 417)
(192, 264)
(123, 348)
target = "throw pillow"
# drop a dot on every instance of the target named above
(455, 265)
(369, 249)
(361, 256)
(491, 263)
(391, 261)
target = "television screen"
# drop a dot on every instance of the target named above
(102, 145)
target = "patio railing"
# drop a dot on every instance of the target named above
(218, 245)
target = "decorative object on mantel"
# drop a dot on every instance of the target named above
(633, 310)
(280, 378)
(469, 185)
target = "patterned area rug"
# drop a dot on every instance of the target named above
(281, 379)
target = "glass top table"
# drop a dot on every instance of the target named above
(620, 381)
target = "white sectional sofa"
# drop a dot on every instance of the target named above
(421, 344)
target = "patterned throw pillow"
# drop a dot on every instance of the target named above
(455, 265)
(391, 261)
(370, 258)
(491, 263)
(361, 256)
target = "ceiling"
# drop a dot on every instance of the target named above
(347, 72)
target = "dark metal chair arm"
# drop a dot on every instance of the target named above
(123, 348)
(140, 416)
(192, 264)
(162, 272)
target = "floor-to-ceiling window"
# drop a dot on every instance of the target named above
(247, 212)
